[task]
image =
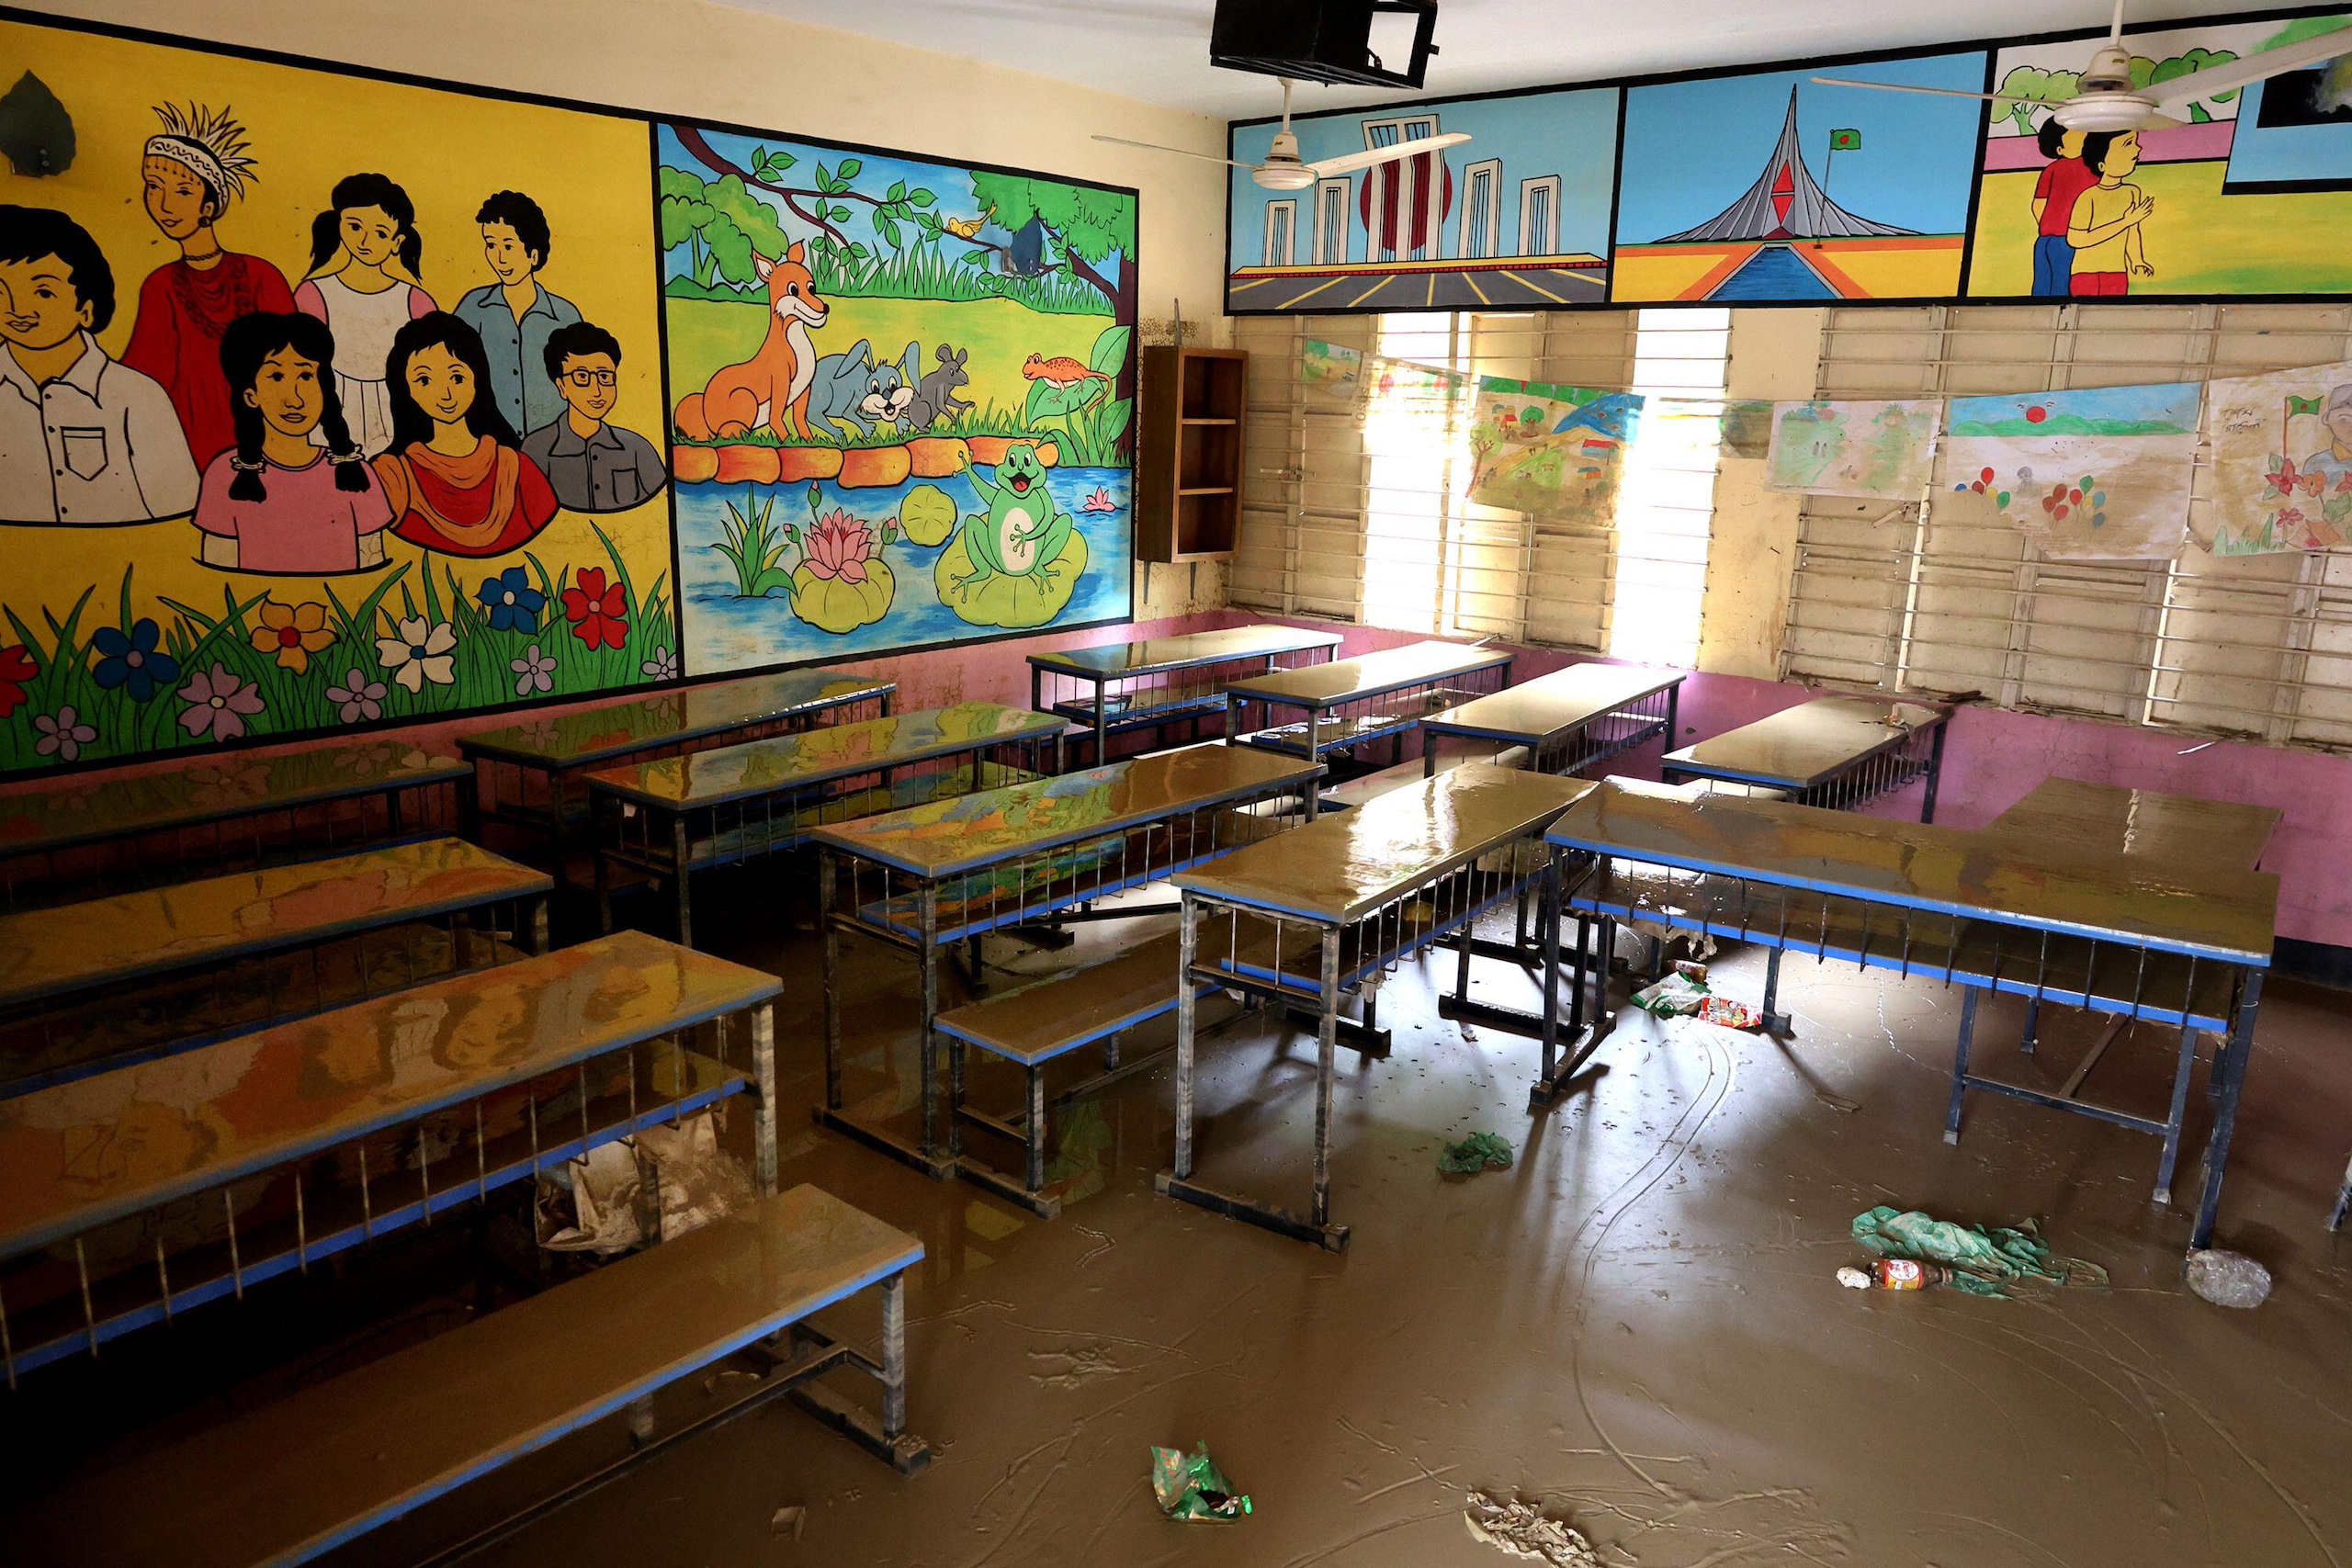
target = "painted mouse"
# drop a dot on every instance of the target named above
(1023, 529)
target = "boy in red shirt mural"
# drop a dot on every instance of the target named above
(2063, 178)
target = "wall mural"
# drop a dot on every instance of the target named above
(1764, 186)
(312, 423)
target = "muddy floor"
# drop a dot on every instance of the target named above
(1636, 1326)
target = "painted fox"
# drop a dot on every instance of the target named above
(772, 387)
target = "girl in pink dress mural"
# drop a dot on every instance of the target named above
(277, 501)
(191, 171)
(370, 223)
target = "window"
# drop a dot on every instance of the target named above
(1363, 514)
(1331, 222)
(1281, 222)
(1936, 596)
(1539, 217)
(1481, 211)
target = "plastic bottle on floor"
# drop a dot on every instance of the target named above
(1894, 1274)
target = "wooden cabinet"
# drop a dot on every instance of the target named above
(1188, 453)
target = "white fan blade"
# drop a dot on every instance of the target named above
(1934, 92)
(2253, 68)
(1180, 151)
(2155, 121)
(1347, 163)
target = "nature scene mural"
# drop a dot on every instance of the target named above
(903, 397)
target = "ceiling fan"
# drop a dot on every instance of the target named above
(1282, 169)
(2108, 101)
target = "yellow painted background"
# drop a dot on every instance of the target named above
(308, 129)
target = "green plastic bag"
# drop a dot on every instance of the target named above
(1984, 1261)
(1479, 1152)
(1194, 1488)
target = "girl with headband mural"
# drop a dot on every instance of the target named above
(371, 224)
(192, 169)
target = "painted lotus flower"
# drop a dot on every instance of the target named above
(598, 612)
(839, 546)
(514, 604)
(63, 734)
(419, 653)
(1099, 502)
(533, 673)
(357, 698)
(131, 660)
(15, 668)
(292, 632)
(219, 704)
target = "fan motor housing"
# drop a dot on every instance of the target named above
(1319, 40)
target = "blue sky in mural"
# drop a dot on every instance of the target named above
(1693, 147)
(1571, 135)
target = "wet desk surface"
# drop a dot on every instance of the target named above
(81, 1153)
(945, 837)
(45, 953)
(2218, 913)
(1416, 664)
(1553, 705)
(280, 1483)
(1338, 868)
(596, 735)
(1114, 661)
(1800, 747)
(216, 789)
(757, 768)
(2178, 832)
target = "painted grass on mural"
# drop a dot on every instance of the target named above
(262, 666)
(921, 275)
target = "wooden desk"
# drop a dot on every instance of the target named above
(1569, 720)
(84, 987)
(1150, 686)
(525, 774)
(1353, 701)
(71, 840)
(2110, 932)
(931, 875)
(2172, 830)
(1838, 752)
(78, 1157)
(672, 818)
(1306, 917)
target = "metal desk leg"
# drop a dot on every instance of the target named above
(1775, 1021)
(1187, 1010)
(764, 1072)
(2032, 1037)
(893, 1356)
(826, 873)
(1232, 718)
(1326, 1050)
(1673, 717)
(927, 961)
(2217, 1147)
(1935, 772)
(2181, 1072)
(1037, 1128)
(1429, 753)
(679, 879)
(539, 926)
(1958, 1061)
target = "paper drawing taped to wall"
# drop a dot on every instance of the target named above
(2281, 449)
(1554, 451)
(1875, 450)
(903, 397)
(2101, 474)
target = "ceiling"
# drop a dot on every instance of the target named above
(1158, 49)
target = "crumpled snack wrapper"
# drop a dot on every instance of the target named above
(1191, 1487)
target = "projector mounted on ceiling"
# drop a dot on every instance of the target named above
(1319, 40)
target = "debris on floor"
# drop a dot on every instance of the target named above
(1192, 1488)
(1894, 1274)
(2228, 1278)
(1479, 1151)
(1729, 1014)
(593, 1205)
(1984, 1260)
(1520, 1529)
(1683, 993)
(788, 1522)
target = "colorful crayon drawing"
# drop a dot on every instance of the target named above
(1553, 451)
(1876, 450)
(903, 392)
(2281, 449)
(1768, 186)
(1518, 217)
(2094, 475)
(2246, 198)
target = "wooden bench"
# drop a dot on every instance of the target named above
(1039, 1022)
(292, 1480)
(69, 840)
(1403, 776)
(104, 984)
(459, 1088)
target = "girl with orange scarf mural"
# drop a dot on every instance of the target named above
(456, 483)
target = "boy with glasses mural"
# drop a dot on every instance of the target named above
(592, 466)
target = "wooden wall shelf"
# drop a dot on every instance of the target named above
(1188, 453)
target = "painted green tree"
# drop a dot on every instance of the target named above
(722, 222)
(2045, 87)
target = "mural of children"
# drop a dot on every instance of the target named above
(515, 315)
(84, 440)
(190, 172)
(2064, 179)
(2335, 459)
(455, 480)
(594, 466)
(2105, 227)
(370, 222)
(275, 501)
